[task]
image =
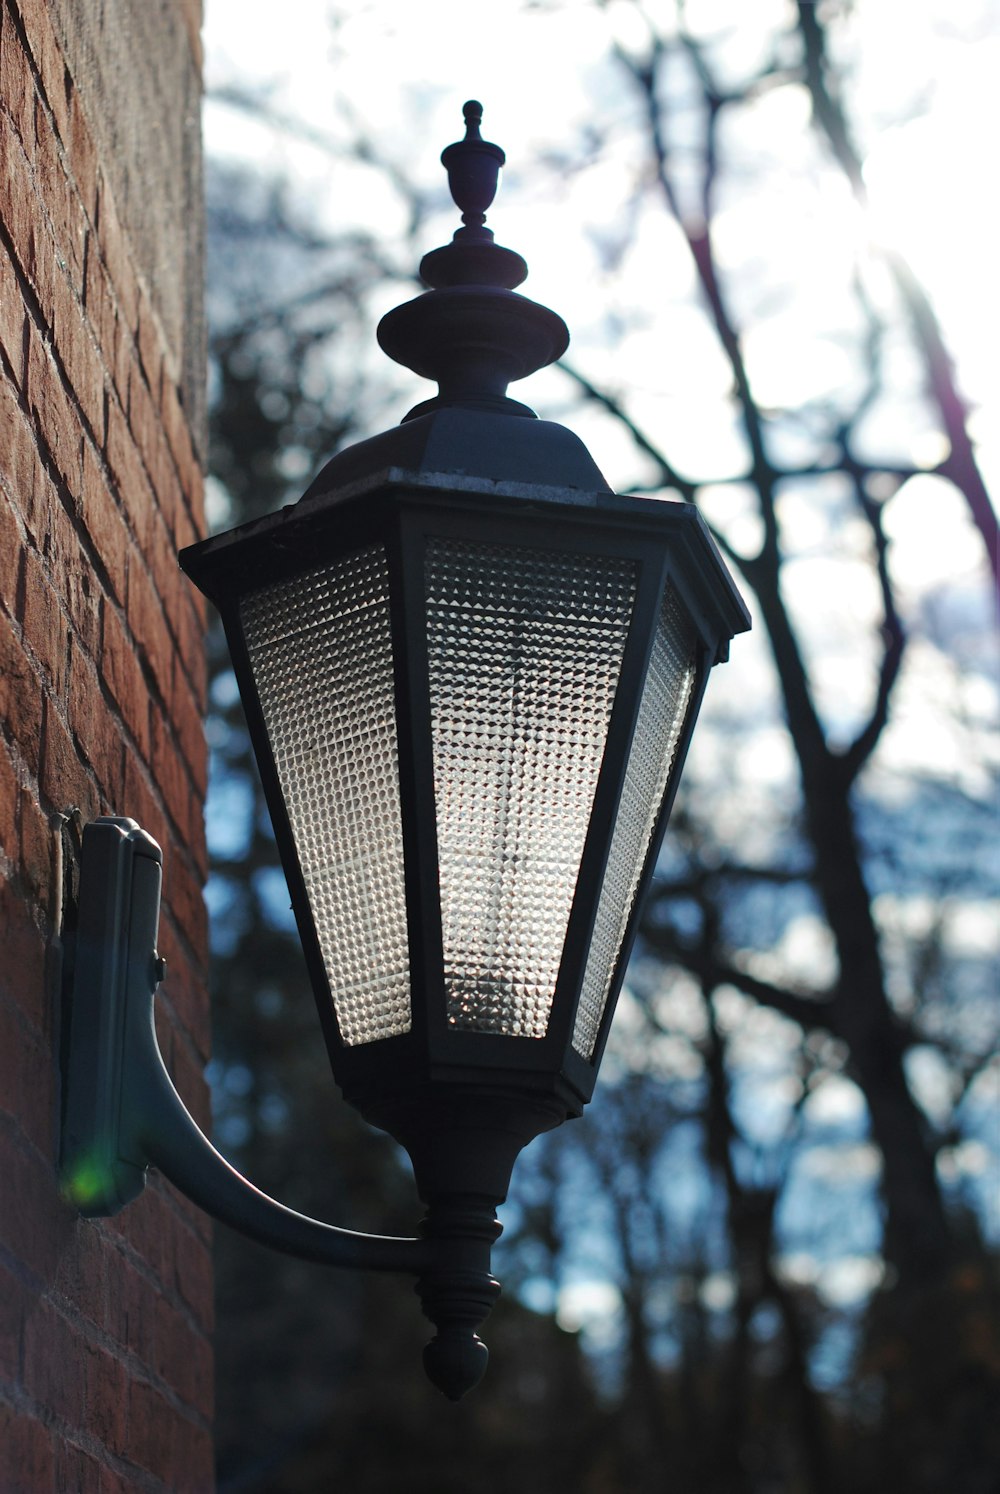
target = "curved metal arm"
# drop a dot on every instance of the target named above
(122, 1112)
(171, 1140)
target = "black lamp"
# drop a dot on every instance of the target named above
(470, 673)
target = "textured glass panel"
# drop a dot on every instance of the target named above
(321, 654)
(662, 711)
(525, 650)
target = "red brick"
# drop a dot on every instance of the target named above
(8, 803)
(148, 625)
(183, 1360)
(55, 418)
(147, 428)
(127, 470)
(88, 1275)
(76, 1471)
(77, 352)
(123, 677)
(151, 343)
(161, 1440)
(178, 431)
(64, 780)
(53, 1363)
(115, 254)
(19, 207)
(113, 337)
(82, 157)
(49, 62)
(26, 1091)
(58, 200)
(44, 623)
(17, 86)
(170, 776)
(193, 1276)
(105, 1396)
(97, 730)
(19, 474)
(20, 695)
(132, 1310)
(37, 854)
(11, 320)
(22, 970)
(27, 1451)
(104, 522)
(15, 1299)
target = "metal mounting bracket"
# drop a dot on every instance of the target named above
(122, 1114)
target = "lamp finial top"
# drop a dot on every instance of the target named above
(470, 332)
(473, 166)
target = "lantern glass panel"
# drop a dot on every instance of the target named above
(663, 709)
(525, 649)
(320, 650)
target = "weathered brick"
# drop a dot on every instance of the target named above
(20, 695)
(44, 622)
(88, 1274)
(97, 481)
(104, 1394)
(126, 468)
(36, 859)
(147, 428)
(182, 1359)
(178, 431)
(193, 1276)
(113, 337)
(17, 85)
(64, 780)
(77, 351)
(151, 341)
(148, 624)
(9, 838)
(53, 1363)
(59, 202)
(82, 156)
(35, 1225)
(19, 470)
(26, 1090)
(27, 1450)
(50, 63)
(15, 1299)
(97, 731)
(12, 315)
(76, 1470)
(104, 522)
(114, 251)
(123, 677)
(52, 411)
(22, 970)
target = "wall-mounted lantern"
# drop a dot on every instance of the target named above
(470, 673)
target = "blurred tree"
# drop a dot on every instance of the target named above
(804, 1064)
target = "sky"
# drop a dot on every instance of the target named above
(927, 111)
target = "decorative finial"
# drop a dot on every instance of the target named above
(473, 167)
(471, 333)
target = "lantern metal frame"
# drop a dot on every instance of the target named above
(474, 466)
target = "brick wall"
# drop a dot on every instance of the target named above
(105, 1363)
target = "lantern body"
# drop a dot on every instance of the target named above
(470, 702)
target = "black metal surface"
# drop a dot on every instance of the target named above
(475, 465)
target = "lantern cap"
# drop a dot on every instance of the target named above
(470, 332)
(466, 446)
